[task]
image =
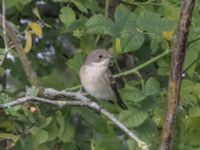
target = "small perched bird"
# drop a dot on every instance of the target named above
(97, 79)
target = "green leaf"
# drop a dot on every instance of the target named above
(92, 118)
(13, 137)
(66, 131)
(188, 100)
(7, 125)
(10, 3)
(152, 22)
(80, 5)
(155, 44)
(131, 39)
(68, 146)
(196, 90)
(87, 43)
(193, 133)
(170, 10)
(32, 91)
(24, 2)
(187, 86)
(61, 124)
(68, 134)
(152, 86)
(132, 94)
(190, 57)
(126, 23)
(52, 129)
(67, 16)
(132, 145)
(40, 135)
(164, 67)
(45, 121)
(133, 117)
(76, 62)
(64, 1)
(103, 142)
(122, 15)
(194, 112)
(77, 24)
(99, 24)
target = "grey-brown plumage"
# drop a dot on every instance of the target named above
(97, 79)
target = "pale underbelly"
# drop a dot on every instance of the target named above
(97, 86)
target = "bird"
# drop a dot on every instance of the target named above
(96, 77)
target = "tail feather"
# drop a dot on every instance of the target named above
(122, 104)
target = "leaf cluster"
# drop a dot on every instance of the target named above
(58, 34)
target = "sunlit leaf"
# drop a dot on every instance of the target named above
(32, 91)
(67, 15)
(9, 136)
(28, 44)
(37, 13)
(117, 47)
(36, 28)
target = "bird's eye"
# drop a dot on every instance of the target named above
(100, 56)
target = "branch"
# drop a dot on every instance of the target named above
(136, 69)
(12, 35)
(4, 33)
(4, 25)
(75, 99)
(178, 54)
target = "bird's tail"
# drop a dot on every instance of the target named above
(122, 104)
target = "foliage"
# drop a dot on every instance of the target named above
(57, 35)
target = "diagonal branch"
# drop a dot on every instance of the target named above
(178, 54)
(75, 99)
(12, 35)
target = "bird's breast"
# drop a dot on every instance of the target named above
(94, 83)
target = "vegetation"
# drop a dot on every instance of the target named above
(56, 35)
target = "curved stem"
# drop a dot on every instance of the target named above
(134, 70)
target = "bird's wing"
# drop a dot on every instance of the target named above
(112, 84)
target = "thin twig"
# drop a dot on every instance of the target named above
(6, 50)
(106, 7)
(75, 99)
(4, 25)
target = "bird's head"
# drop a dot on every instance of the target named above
(98, 58)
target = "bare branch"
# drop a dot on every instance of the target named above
(12, 35)
(4, 25)
(75, 99)
(178, 54)
(4, 32)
